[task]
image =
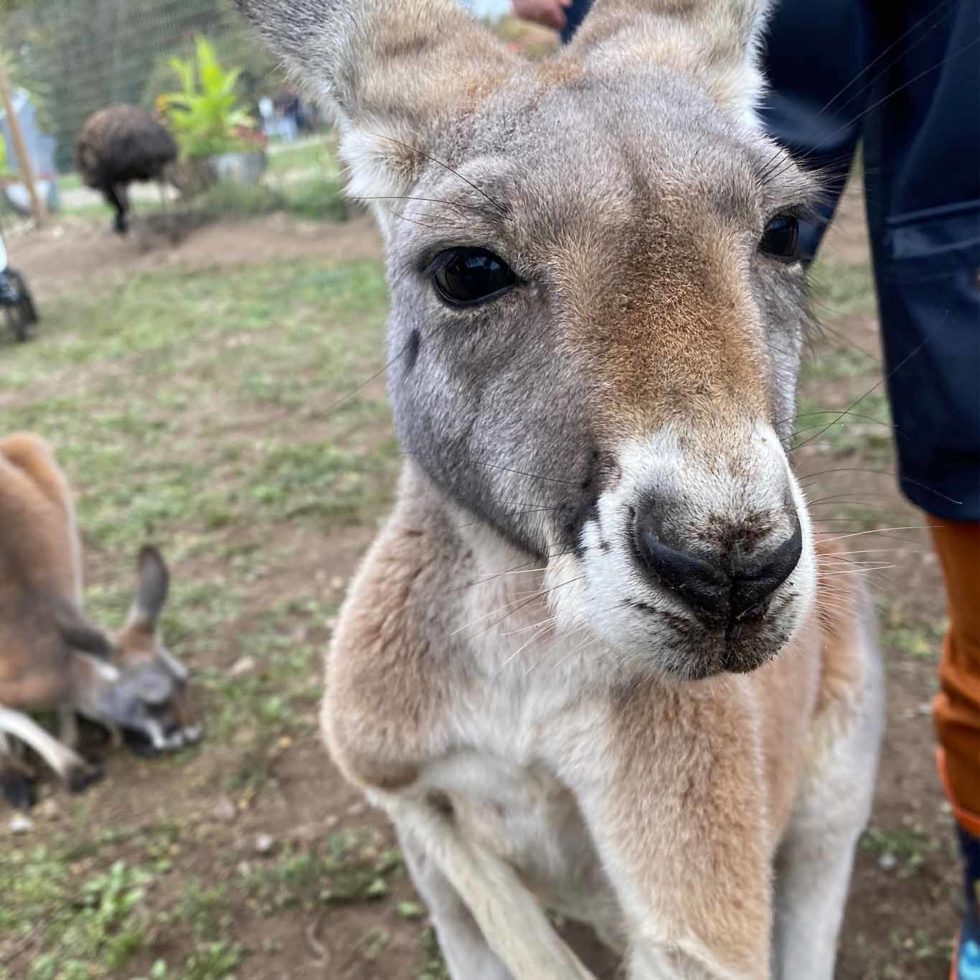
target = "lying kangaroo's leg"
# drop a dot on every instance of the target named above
(71, 767)
(68, 726)
(463, 946)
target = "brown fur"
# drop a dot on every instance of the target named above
(726, 755)
(381, 740)
(38, 564)
(46, 641)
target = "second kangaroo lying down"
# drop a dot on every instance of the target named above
(52, 657)
(596, 661)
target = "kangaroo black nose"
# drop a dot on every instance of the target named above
(718, 593)
(753, 586)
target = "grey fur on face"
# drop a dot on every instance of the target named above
(496, 404)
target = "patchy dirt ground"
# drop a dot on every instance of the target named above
(197, 394)
(66, 255)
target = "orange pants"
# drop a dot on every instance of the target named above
(957, 706)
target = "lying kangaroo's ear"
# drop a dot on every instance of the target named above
(151, 592)
(715, 42)
(391, 71)
(78, 631)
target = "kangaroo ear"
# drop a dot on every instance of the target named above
(78, 631)
(87, 637)
(151, 592)
(391, 71)
(714, 42)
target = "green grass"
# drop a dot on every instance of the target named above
(86, 923)
(347, 869)
(317, 156)
(902, 850)
(864, 431)
(214, 413)
(431, 964)
(839, 363)
(911, 636)
(98, 920)
(841, 288)
(172, 361)
(316, 198)
(69, 182)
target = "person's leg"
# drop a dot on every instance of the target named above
(922, 158)
(574, 15)
(957, 705)
(957, 714)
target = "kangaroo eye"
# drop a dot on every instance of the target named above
(781, 238)
(470, 276)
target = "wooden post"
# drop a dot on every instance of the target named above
(20, 148)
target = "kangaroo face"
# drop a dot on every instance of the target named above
(594, 344)
(596, 309)
(150, 699)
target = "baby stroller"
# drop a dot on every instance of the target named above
(15, 298)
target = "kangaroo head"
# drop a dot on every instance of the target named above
(596, 303)
(145, 690)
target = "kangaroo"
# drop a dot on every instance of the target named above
(52, 657)
(598, 660)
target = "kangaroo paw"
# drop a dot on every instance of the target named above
(80, 777)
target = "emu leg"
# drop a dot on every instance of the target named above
(117, 197)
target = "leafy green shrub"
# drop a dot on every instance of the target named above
(206, 114)
(318, 198)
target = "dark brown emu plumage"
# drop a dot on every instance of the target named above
(118, 145)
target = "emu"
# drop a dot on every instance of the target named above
(118, 145)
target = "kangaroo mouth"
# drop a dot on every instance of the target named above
(149, 743)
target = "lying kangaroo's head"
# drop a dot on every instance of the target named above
(597, 306)
(144, 689)
(153, 684)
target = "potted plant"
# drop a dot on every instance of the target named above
(208, 119)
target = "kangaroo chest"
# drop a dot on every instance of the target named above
(525, 814)
(508, 796)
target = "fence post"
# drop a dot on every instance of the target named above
(20, 148)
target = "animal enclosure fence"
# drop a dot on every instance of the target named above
(77, 57)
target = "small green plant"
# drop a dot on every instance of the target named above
(920, 639)
(206, 114)
(901, 849)
(314, 198)
(431, 964)
(347, 870)
(212, 961)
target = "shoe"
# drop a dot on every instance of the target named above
(966, 958)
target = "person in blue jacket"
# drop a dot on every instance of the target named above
(902, 80)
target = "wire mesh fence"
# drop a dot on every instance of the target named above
(77, 57)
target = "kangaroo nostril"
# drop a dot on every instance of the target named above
(718, 595)
(703, 586)
(751, 589)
